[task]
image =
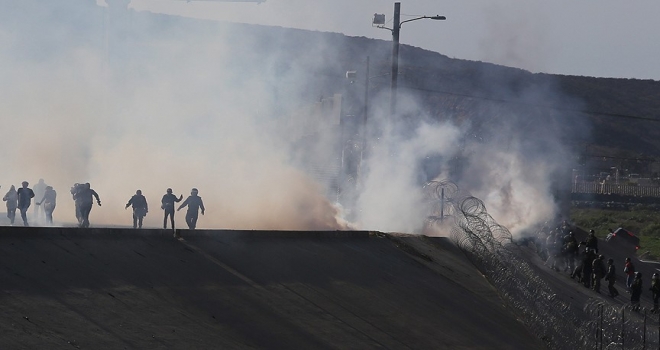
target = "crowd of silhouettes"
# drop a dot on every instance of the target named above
(561, 251)
(84, 197)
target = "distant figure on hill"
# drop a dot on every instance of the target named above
(582, 257)
(194, 203)
(629, 270)
(83, 197)
(598, 268)
(12, 203)
(25, 196)
(636, 291)
(592, 241)
(167, 204)
(140, 208)
(655, 291)
(74, 191)
(610, 277)
(587, 267)
(553, 252)
(48, 201)
(39, 191)
(570, 249)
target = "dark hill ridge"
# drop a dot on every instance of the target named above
(118, 288)
(483, 98)
(449, 88)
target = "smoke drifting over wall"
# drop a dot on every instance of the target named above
(131, 101)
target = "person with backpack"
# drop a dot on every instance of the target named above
(85, 199)
(140, 208)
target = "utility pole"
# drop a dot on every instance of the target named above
(396, 27)
(365, 113)
(379, 22)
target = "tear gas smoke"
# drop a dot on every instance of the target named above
(146, 101)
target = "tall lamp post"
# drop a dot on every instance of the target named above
(379, 21)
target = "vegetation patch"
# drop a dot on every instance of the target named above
(642, 221)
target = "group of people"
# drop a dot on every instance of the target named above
(84, 196)
(194, 203)
(561, 250)
(21, 199)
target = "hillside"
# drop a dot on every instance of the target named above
(114, 288)
(122, 288)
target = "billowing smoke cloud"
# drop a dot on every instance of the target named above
(154, 106)
(391, 199)
(131, 101)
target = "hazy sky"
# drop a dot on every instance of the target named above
(603, 38)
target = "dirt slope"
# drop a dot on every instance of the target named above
(115, 289)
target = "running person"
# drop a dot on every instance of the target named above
(194, 203)
(167, 204)
(140, 208)
(83, 197)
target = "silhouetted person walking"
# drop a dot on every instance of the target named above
(12, 203)
(598, 272)
(39, 191)
(655, 291)
(194, 203)
(636, 291)
(25, 196)
(610, 277)
(74, 191)
(140, 208)
(592, 241)
(83, 197)
(167, 204)
(629, 270)
(48, 202)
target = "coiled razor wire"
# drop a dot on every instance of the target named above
(488, 244)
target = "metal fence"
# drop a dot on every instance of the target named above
(558, 323)
(619, 327)
(625, 190)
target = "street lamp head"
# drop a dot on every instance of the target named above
(438, 18)
(379, 19)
